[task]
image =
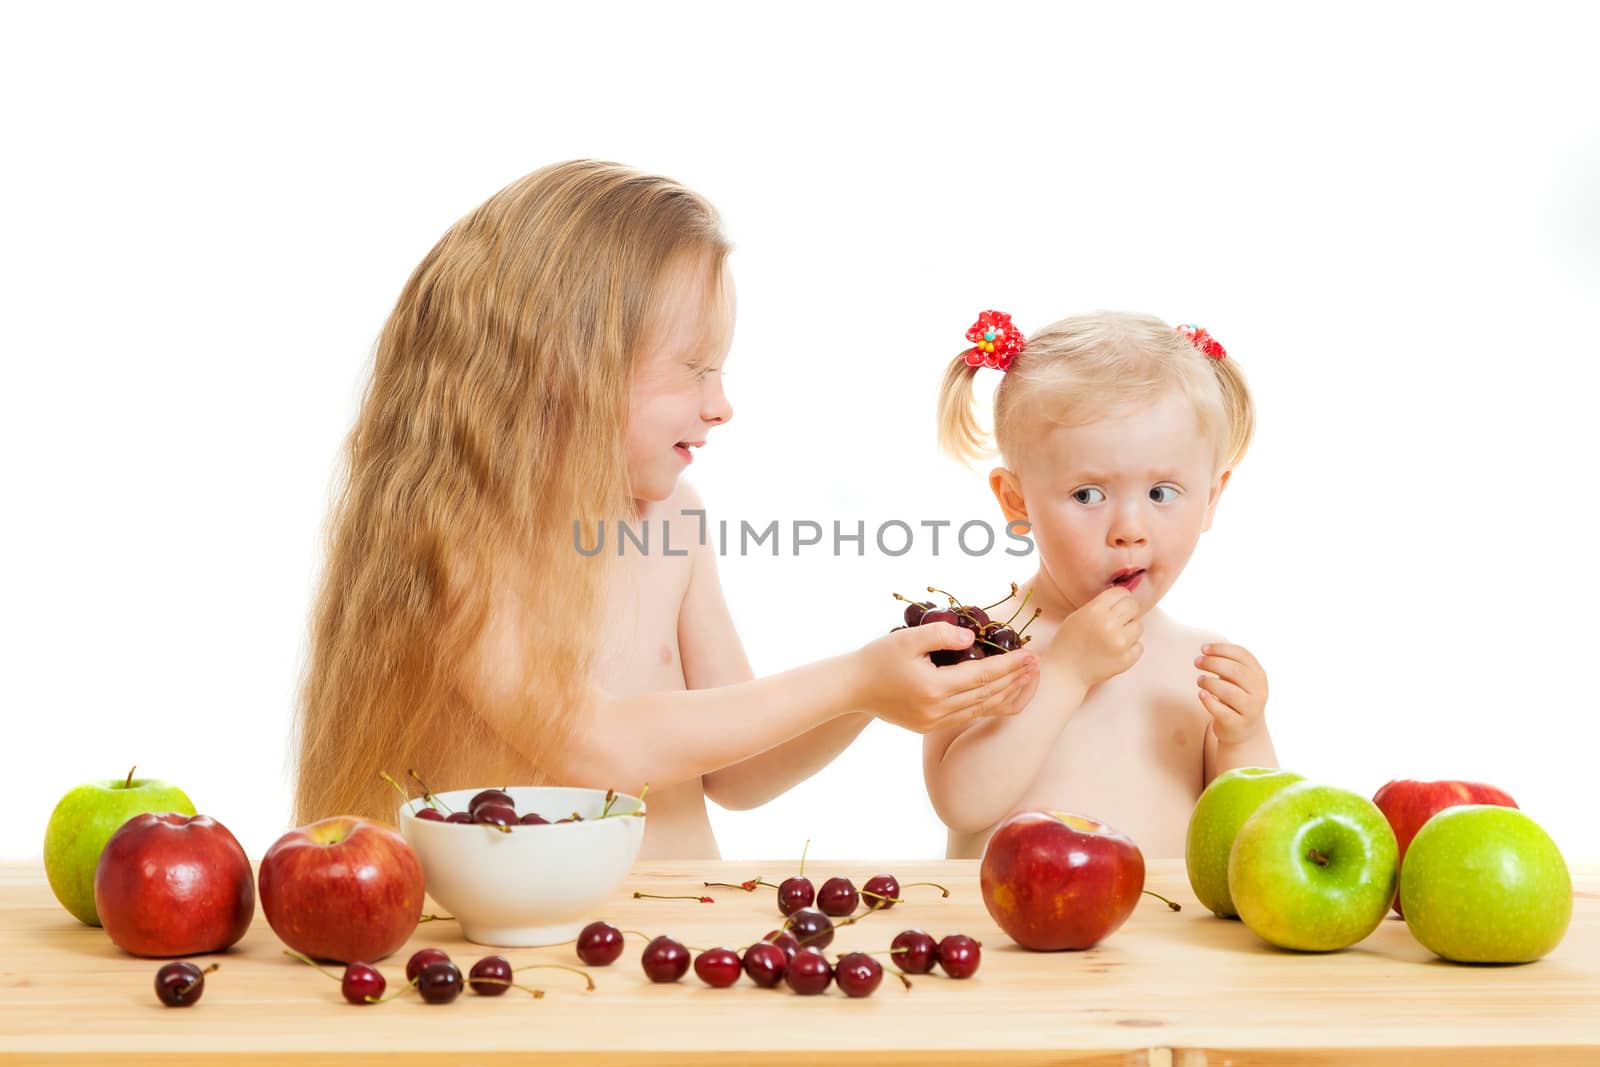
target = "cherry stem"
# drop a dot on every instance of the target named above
(749, 886)
(637, 895)
(991, 644)
(431, 918)
(639, 933)
(1003, 599)
(587, 977)
(402, 991)
(1025, 598)
(943, 892)
(638, 812)
(398, 788)
(307, 959)
(803, 852)
(129, 783)
(1318, 858)
(537, 993)
(197, 979)
(1036, 613)
(882, 897)
(1173, 904)
(427, 794)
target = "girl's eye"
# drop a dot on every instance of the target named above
(1085, 495)
(1164, 489)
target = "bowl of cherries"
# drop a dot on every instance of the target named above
(523, 865)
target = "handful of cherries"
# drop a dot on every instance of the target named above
(990, 638)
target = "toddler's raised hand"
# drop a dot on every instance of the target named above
(1102, 638)
(1235, 692)
(901, 685)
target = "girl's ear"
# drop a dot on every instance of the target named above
(1007, 490)
(1211, 502)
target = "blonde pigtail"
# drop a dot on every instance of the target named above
(961, 436)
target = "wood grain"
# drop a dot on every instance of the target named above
(1180, 989)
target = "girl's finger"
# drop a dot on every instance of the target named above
(1004, 697)
(1233, 652)
(1225, 691)
(962, 679)
(1234, 671)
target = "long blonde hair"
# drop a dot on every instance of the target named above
(1086, 367)
(494, 419)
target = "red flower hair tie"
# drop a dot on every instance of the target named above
(1203, 341)
(995, 341)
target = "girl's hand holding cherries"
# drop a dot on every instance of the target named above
(947, 666)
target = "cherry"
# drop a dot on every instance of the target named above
(809, 972)
(492, 814)
(795, 893)
(811, 928)
(718, 967)
(458, 816)
(430, 814)
(881, 891)
(490, 976)
(440, 982)
(945, 657)
(179, 985)
(858, 974)
(533, 818)
(914, 951)
(491, 796)
(421, 958)
(664, 960)
(915, 610)
(974, 619)
(784, 941)
(765, 963)
(361, 981)
(940, 615)
(599, 944)
(837, 897)
(958, 955)
(1004, 636)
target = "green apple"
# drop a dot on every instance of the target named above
(84, 821)
(1314, 868)
(1227, 802)
(1483, 883)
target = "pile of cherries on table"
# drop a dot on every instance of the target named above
(792, 954)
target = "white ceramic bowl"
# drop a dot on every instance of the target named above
(537, 885)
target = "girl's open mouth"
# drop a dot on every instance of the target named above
(1128, 579)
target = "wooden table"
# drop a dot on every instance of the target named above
(1180, 989)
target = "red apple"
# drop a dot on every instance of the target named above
(343, 888)
(173, 885)
(1052, 880)
(1407, 804)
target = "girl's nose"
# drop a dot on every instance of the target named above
(715, 408)
(1127, 529)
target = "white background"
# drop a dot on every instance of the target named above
(1390, 217)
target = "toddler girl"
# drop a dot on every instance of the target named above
(1117, 433)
